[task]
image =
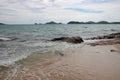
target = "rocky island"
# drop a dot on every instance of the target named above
(52, 22)
(92, 22)
(2, 24)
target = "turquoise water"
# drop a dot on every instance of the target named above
(19, 41)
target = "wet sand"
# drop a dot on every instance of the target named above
(87, 63)
(118, 47)
(78, 63)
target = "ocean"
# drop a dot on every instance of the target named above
(19, 41)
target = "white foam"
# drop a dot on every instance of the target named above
(5, 39)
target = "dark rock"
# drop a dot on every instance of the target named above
(69, 39)
(113, 50)
(110, 36)
(59, 39)
(106, 42)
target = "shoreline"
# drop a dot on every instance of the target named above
(118, 47)
(87, 62)
(78, 63)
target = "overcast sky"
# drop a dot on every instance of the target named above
(41, 11)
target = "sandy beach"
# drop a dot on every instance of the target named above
(59, 39)
(78, 63)
(99, 60)
(118, 47)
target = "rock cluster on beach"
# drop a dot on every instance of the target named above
(113, 38)
(110, 36)
(69, 39)
(106, 42)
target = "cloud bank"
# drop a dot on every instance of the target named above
(31, 11)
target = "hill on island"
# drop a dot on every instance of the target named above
(52, 22)
(92, 22)
(2, 24)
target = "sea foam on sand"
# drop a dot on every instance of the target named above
(78, 63)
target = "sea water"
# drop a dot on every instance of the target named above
(19, 41)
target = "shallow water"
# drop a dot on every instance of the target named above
(19, 41)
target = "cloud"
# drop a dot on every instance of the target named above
(30, 11)
(32, 4)
(98, 1)
(84, 10)
(8, 12)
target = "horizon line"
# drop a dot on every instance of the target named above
(83, 22)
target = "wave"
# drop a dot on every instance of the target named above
(5, 39)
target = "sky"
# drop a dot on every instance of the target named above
(42, 11)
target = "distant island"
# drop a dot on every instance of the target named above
(91, 22)
(2, 24)
(77, 22)
(74, 22)
(52, 22)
